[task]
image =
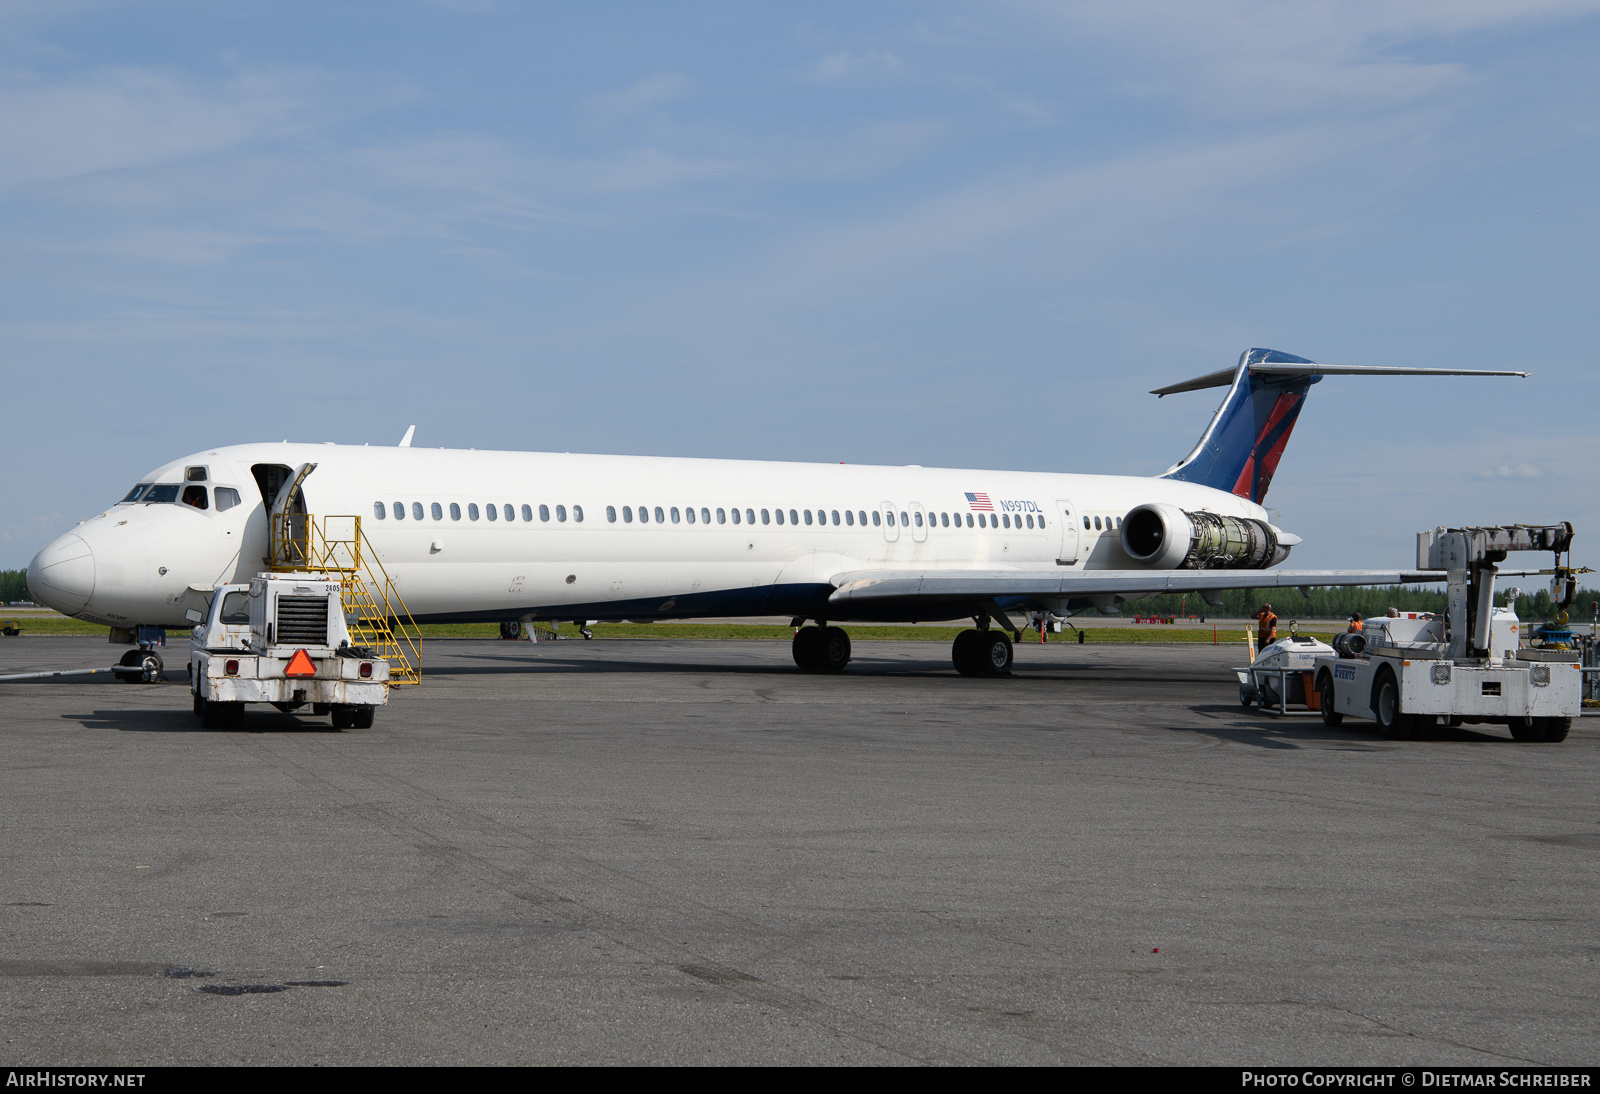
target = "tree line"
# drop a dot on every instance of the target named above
(1337, 602)
(14, 586)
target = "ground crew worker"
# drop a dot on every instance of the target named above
(1266, 627)
(1356, 626)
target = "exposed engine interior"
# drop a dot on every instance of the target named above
(1165, 537)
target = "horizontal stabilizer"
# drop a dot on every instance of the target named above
(1225, 377)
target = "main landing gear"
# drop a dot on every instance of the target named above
(821, 648)
(982, 652)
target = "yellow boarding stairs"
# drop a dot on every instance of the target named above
(373, 609)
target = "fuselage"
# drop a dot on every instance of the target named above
(481, 536)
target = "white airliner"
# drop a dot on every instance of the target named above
(472, 536)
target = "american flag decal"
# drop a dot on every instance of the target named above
(979, 502)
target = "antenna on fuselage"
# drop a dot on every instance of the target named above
(405, 442)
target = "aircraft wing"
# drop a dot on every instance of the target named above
(868, 585)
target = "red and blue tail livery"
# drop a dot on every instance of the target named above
(1240, 449)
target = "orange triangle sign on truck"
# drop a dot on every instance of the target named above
(300, 665)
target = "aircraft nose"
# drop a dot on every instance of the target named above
(62, 575)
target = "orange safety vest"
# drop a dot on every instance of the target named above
(1356, 626)
(1268, 623)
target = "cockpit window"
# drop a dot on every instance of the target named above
(162, 492)
(227, 498)
(195, 495)
(235, 610)
(133, 495)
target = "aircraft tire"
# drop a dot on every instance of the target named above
(1330, 717)
(832, 649)
(130, 669)
(363, 717)
(996, 652)
(805, 648)
(965, 653)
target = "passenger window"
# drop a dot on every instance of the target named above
(227, 498)
(1086, 524)
(611, 514)
(194, 474)
(492, 511)
(416, 510)
(689, 512)
(399, 511)
(561, 514)
(674, 512)
(644, 515)
(764, 519)
(527, 513)
(472, 510)
(735, 515)
(544, 512)
(380, 510)
(919, 520)
(808, 516)
(511, 512)
(1041, 520)
(750, 516)
(850, 517)
(905, 519)
(705, 515)
(969, 520)
(577, 513)
(195, 496)
(863, 518)
(235, 610)
(437, 511)
(722, 516)
(627, 514)
(836, 516)
(876, 520)
(1030, 520)
(659, 515)
(780, 516)
(455, 510)
(794, 518)
(1097, 524)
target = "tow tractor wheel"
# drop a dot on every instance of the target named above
(805, 648)
(344, 717)
(1534, 730)
(212, 715)
(1245, 698)
(1330, 717)
(199, 705)
(1392, 724)
(363, 717)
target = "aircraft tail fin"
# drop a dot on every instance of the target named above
(1240, 449)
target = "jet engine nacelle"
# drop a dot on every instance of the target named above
(1164, 537)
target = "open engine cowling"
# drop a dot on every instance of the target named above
(1164, 537)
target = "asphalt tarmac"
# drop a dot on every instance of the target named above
(689, 852)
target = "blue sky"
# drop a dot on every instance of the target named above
(936, 233)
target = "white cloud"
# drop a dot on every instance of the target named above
(640, 96)
(1511, 471)
(842, 68)
(1256, 58)
(130, 117)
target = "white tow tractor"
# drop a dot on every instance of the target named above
(1409, 674)
(282, 639)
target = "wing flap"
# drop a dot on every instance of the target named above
(867, 585)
